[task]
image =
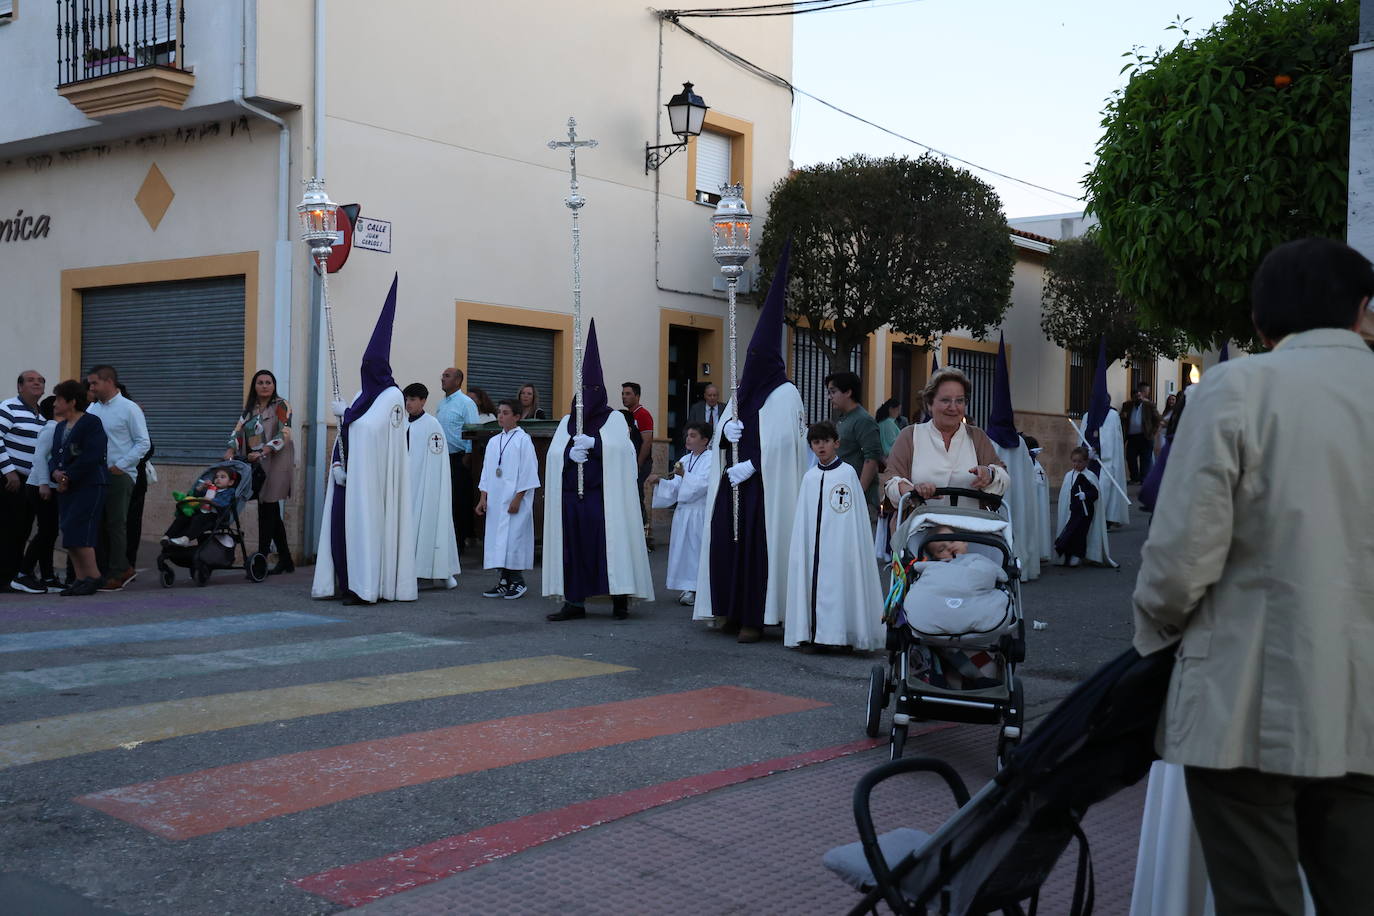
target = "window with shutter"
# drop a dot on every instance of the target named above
(6, 11)
(713, 165)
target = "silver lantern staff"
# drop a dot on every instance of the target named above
(319, 229)
(730, 246)
(574, 202)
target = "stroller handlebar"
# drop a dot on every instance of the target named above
(991, 501)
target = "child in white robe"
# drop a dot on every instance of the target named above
(686, 488)
(833, 594)
(510, 475)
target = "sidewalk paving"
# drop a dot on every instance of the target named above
(756, 847)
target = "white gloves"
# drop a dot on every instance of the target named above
(338, 407)
(339, 475)
(733, 430)
(581, 448)
(741, 472)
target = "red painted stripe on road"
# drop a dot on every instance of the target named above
(207, 801)
(363, 882)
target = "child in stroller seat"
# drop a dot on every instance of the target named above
(944, 551)
(198, 510)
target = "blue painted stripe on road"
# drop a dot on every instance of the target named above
(153, 632)
(131, 670)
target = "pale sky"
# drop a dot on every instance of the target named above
(1018, 86)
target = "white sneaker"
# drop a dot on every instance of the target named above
(1074, 561)
(180, 542)
(687, 599)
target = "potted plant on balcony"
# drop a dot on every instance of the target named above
(102, 58)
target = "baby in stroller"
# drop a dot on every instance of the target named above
(198, 511)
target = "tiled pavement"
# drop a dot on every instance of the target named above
(756, 847)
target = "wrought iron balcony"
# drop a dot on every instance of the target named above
(119, 55)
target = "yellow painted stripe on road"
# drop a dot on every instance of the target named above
(107, 729)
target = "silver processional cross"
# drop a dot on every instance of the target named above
(574, 202)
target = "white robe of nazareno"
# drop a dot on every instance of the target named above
(688, 492)
(832, 577)
(378, 529)
(627, 557)
(1044, 518)
(782, 443)
(1096, 550)
(509, 539)
(1019, 505)
(1112, 503)
(431, 490)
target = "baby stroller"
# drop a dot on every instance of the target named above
(955, 639)
(209, 551)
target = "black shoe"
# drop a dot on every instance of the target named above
(28, 584)
(620, 608)
(81, 587)
(54, 583)
(353, 600)
(496, 591)
(283, 566)
(567, 612)
(730, 628)
(515, 590)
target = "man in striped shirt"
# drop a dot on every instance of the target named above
(20, 423)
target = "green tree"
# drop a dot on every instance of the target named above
(1219, 149)
(916, 244)
(1083, 303)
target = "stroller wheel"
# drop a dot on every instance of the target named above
(200, 574)
(167, 577)
(1005, 745)
(877, 699)
(898, 741)
(257, 567)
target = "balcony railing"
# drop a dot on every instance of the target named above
(97, 38)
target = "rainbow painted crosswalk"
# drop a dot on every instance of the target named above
(179, 807)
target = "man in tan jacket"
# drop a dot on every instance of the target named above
(1260, 563)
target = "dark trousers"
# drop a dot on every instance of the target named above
(1256, 828)
(272, 530)
(1140, 457)
(461, 479)
(16, 521)
(133, 523)
(112, 556)
(39, 554)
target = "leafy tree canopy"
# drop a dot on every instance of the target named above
(1082, 304)
(913, 243)
(1220, 149)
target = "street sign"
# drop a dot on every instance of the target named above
(373, 235)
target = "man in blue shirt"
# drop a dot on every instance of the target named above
(455, 410)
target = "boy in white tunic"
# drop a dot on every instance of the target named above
(436, 549)
(833, 594)
(686, 487)
(510, 475)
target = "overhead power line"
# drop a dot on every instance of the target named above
(765, 9)
(777, 79)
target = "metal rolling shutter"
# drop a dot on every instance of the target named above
(810, 366)
(503, 357)
(179, 351)
(981, 369)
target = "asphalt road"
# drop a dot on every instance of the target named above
(108, 728)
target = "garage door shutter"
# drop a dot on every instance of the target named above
(503, 357)
(179, 351)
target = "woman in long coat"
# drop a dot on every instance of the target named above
(262, 437)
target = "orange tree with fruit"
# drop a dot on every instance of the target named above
(1219, 149)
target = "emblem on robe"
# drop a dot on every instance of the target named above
(436, 444)
(398, 416)
(841, 498)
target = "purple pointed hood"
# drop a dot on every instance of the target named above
(1101, 401)
(596, 405)
(764, 366)
(1001, 419)
(376, 368)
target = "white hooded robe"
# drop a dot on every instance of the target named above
(1115, 506)
(1096, 550)
(431, 489)
(688, 493)
(1018, 503)
(509, 539)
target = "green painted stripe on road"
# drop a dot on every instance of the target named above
(129, 726)
(131, 670)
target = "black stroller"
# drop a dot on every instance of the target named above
(963, 670)
(997, 849)
(209, 551)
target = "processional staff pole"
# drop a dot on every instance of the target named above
(730, 247)
(574, 202)
(319, 229)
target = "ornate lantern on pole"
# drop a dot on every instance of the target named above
(730, 247)
(319, 229)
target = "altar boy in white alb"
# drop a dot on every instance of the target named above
(436, 551)
(833, 594)
(510, 475)
(686, 488)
